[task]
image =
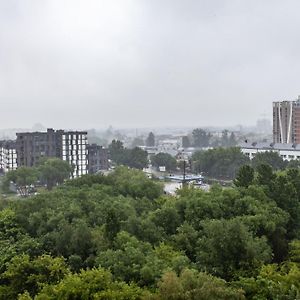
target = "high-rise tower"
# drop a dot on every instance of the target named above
(286, 121)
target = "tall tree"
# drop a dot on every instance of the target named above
(164, 159)
(22, 177)
(201, 137)
(186, 142)
(116, 151)
(54, 171)
(150, 141)
(245, 176)
(270, 158)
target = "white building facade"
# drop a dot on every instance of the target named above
(286, 151)
(74, 150)
(8, 156)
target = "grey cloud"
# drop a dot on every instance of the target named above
(142, 63)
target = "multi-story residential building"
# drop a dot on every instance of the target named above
(70, 146)
(97, 158)
(8, 156)
(286, 121)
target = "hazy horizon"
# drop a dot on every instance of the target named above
(140, 64)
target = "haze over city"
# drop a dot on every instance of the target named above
(136, 63)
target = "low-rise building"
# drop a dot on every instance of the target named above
(286, 151)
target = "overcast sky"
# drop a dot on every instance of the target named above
(143, 63)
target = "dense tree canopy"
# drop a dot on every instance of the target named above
(54, 171)
(120, 237)
(219, 162)
(134, 158)
(164, 159)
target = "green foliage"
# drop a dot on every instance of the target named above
(150, 141)
(275, 281)
(164, 159)
(134, 158)
(227, 247)
(245, 176)
(152, 242)
(219, 162)
(201, 138)
(138, 141)
(135, 183)
(191, 285)
(23, 274)
(90, 284)
(22, 177)
(54, 171)
(268, 158)
(116, 150)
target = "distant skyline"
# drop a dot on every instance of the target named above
(139, 63)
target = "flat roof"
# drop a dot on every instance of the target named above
(270, 146)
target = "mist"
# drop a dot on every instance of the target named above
(138, 63)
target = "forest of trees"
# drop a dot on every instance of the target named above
(120, 237)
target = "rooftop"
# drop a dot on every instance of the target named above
(270, 146)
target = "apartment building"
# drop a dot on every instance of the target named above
(286, 121)
(8, 156)
(97, 158)
(70, 146)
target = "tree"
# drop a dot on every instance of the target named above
(190, 285)
(232, 140)
(219, 162)
(227, 248)
(164, 159)
(265, 175)
(24, 274)
(134, 158)
(245, 176)
(137, 158)
(116, 151)
(22, 177)
(150, 141)
(201, 137)
(112, 225)
(54, 171)
(96, 283)
(270, 158)
(275, 281)
(186, 142)
(225, 138)
(138, 141)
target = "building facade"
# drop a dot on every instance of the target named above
(286, 121)
(286, 151)
(70, 146)
(97, 158)
(8, 156)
